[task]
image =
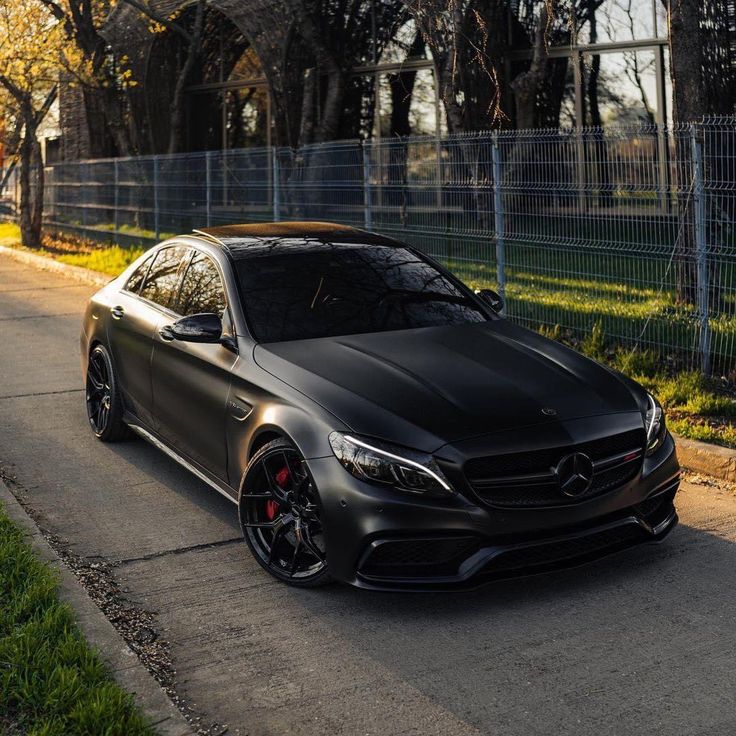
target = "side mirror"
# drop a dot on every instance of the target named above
(492, 299)
(195, 328)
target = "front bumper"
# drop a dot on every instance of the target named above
(380, 538)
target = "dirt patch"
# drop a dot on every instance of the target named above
(709, 482)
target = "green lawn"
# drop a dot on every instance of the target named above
(109, 259)
(696, 406)
(629, 296)
(51, 682)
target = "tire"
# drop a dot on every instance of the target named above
(102, 398)
(279, 512)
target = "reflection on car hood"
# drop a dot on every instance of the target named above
(449, 382)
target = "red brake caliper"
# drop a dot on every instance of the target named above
(282, 478)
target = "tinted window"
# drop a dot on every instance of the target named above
(201, 290)
(160, 285)
(136, 278)
(348, 289)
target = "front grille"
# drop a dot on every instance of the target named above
(527, 479)
(554, 552)
(418, 557)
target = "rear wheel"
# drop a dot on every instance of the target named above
(280, 516)
(104, 403)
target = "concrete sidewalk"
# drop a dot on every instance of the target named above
(643, 642)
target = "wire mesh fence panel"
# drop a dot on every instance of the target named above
(323, 182)
(591, 228)
(633, 228)
(718, 279)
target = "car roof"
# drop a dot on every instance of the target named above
(250, 240)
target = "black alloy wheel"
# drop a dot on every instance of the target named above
(280, 516)
(104, 404)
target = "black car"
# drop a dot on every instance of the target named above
(375, 421)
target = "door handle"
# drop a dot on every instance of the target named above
(117, 312)
(166, 333)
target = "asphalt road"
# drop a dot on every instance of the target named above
(644, 642)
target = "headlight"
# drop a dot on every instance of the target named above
(654, 423)
(381, 462)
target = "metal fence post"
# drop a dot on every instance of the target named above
(367, 194)
(499, 220)
(208, 187)
(156, 218)
(701, 253)
(275, 184)
(116, 197)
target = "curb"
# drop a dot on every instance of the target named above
(46, 263)
(701, 457)
(124, 665)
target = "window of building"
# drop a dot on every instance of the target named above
(620, 88)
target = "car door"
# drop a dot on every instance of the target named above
(191, 380)
(134, 317)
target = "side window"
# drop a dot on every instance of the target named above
(201, 290)
(136, 278)
(162, 279)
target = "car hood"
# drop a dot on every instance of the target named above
(435, 385)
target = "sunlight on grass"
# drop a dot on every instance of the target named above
(725, 436)
(578, 303)
(9, 234)
(111, 260)
(51, 682)
(108, 259)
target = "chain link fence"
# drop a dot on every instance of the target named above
(632, 228)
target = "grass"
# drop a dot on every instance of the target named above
(621, 292)
(51, 682)
(725, 436)
(140, 232)
(110, 259)
(697, 407)
(9, 234)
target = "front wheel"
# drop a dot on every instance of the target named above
(280, 516)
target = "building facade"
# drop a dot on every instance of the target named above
(265, 75)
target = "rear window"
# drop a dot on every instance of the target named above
(348, 289)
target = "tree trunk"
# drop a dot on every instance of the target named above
(329, 123)
(31, 193)
(686, 69)
(686, 53)
(116, 116)
(599, 146)
(526, 86)
(38, 186)
(176, 132)
(402, 91)
(306, 128)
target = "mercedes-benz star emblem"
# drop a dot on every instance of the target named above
(574, 473)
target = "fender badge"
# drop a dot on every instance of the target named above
(549, 412)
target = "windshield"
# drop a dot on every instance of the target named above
(330, 290)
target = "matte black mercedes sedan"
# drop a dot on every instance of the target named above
(375, 421)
